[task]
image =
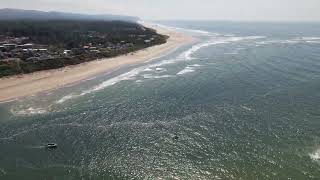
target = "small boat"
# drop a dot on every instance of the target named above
(51, 146)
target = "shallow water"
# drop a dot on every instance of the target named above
(239, 104)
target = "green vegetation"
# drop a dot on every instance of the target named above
(59, 43)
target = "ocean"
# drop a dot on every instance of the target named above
(241, 102)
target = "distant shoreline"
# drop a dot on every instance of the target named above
(20, 86)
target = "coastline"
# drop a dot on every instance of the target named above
(29, 84)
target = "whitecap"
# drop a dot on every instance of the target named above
(65, 98)
(195, 65)
(131, 75)
(315, 155)
(147, 70)
(215, 41)
(310, 38)
(246, 108)
(29, 111)
(186, 70)
(123, 77)
(313, 42)
(160, 69)
(278, 42)
(150, 76)
(291, 41)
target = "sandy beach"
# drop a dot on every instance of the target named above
(29, 84)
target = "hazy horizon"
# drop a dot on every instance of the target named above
(229, 10)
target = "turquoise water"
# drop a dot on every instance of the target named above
(240, 103)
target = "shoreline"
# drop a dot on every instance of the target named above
(18, 86)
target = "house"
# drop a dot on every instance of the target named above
(43, 50)
(38, 50)
(10, 46)
(66, 52)
(26, 46)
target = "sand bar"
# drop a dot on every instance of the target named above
(25, 85)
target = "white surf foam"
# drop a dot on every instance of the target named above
(131, 75)
(123, 77)
(313, 42)
(215, 41)
(147, 70)
(291, 41)
(195, 65)
(126, 76)
(160, 69)
(150, 76)
(315, 155)
(186, 70)
(65, 98)
(310, 38)
(189, 69)
(29, 111)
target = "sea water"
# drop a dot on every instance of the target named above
(241, 102)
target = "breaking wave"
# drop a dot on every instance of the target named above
(150, 76)
(186, 70)
(189, 69)
(310, 38)
(123, 77)
(315, 155)
(220, 40)
(29, 111)
(156, 67)
(65, 98)
(296, 40)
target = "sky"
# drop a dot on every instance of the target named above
(235, 10)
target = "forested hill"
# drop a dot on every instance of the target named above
(19, 14)
(74, 33)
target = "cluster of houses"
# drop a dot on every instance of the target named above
(16, 48)
(11, 51)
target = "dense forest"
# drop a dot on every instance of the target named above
(68, 42)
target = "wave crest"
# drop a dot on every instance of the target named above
(315, 155)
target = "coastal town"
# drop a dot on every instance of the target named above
(42, 50)
(14, 48)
